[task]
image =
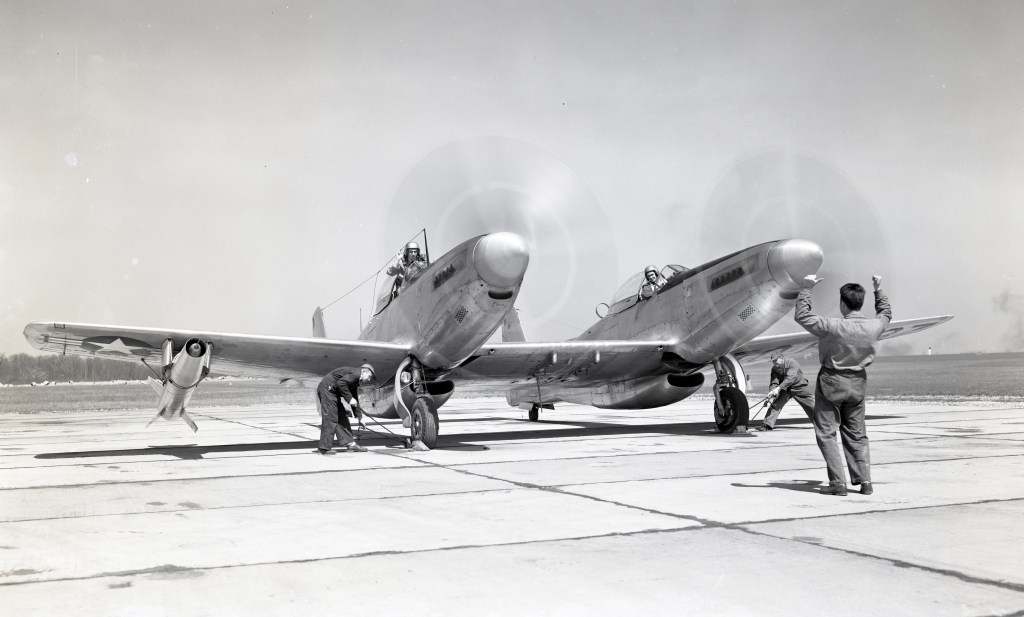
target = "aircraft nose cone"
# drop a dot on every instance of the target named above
(501, 259)
(791, 260)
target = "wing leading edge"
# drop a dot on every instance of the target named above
(761, 348)
(504, 364)
(238, 355)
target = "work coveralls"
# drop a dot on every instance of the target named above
(846, 346)
(792, 384)
(341, 384)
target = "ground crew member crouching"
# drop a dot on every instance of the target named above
(338, 389)
(846, 347)
(787, 382)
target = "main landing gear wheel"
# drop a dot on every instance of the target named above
(424, 421)
(534, 412)
(736, 410)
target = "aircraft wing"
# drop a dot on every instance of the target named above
(240, 355)
(509, 363)
(761, 348)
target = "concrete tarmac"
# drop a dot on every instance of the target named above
(586, 512)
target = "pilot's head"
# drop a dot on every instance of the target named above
(367, 374)
(651, 273)
(412, 252)
(777, 357)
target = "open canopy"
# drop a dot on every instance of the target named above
(631, 286)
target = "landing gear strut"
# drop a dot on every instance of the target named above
(732, 412)
(421, 420)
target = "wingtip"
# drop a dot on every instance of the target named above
(36, 333)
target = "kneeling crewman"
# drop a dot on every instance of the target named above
(340, 388)
(788, 382)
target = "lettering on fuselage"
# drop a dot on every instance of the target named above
(726, 277)
(446, 273)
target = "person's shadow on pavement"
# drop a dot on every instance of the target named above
(805, 486)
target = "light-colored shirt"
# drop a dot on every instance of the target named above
(846, 343)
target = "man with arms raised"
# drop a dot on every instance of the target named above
(846, 347)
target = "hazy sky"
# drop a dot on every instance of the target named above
(229, 166)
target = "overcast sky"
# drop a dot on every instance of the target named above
(229, 166)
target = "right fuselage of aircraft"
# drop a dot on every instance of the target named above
(702, 313)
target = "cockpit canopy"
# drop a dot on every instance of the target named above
(629, 289)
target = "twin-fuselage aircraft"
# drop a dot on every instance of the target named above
(430, 334)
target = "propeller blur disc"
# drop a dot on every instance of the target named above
(775, 195)
(491, 184)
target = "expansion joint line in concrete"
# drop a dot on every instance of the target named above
(258, 428)
(560, 491)
(173, 568)
(899, 563)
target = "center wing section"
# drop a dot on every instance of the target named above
(504, 364)
(305, 360)
(761, 348)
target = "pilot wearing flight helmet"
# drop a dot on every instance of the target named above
(653, 282)
(406, 269)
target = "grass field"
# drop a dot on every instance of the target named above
(929, 378)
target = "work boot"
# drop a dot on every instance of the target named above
(354, 447)
(324, 452)
(866, 488)
(766, 427)
(834, 489)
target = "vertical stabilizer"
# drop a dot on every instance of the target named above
(512, 328)
(318, 324)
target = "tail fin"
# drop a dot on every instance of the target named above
(318, 324)
(512, 328)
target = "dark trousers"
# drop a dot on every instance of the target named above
(799, 392)
(332, 423)
(839, 404)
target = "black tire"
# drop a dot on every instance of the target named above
(424, 421)
(534, 412)
(736, 410)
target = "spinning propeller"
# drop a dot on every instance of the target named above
(492, 184)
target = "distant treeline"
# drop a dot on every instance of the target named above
(23, 369)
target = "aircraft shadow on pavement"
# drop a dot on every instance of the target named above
(459, 440)
(454, 441)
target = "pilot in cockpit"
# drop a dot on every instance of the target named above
(408, 267)
(653, 282)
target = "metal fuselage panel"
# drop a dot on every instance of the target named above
(446, 313)
(706, 311)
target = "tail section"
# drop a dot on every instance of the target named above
(512, 328)
(318, 324)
